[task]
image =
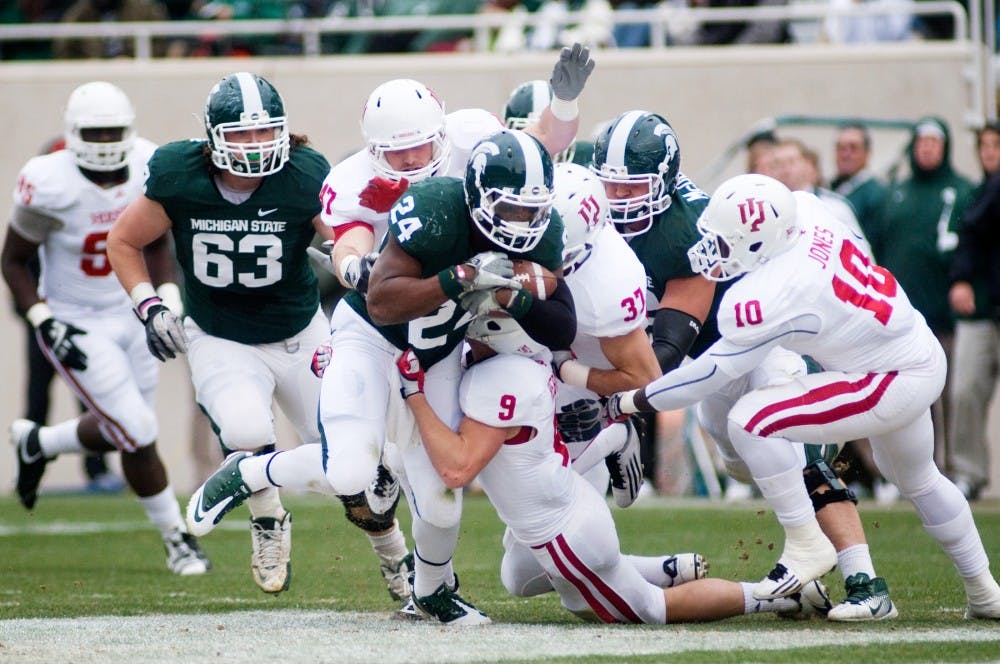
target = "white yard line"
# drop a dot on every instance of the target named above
(326, 636)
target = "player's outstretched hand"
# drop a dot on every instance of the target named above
(580, 421)
(357, 270)
(570, 73)
(380, 194)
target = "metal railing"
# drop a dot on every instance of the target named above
(482, 26)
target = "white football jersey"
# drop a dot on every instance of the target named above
(346, 180)
(609, 292)
(826, 298)
(76, 273)
(529, 481)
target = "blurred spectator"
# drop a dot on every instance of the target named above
(975, 277)
(402, 42)
(797, 167)
(112, 11)
(29, 11)
(854, 180)
(632, 35)
(869, 28)
(916, 235)
(760, 153)
(730, 32)
(552, 27)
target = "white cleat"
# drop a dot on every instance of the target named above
(270, 560)
(983, 611)
(867, 600)
(184, 555)
(813, 599)
(798, 565)
(625, 467)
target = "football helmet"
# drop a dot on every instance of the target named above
(638, 148)
(749, 220)
(99, 105)
(241, 102)
(402, 114)
(508, 188)
(505, 335)
(583, 206)
(524, 107)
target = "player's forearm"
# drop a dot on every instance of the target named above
(128, 263)
(447, 450)
(351, 246)
(401, 299)
(554, 133)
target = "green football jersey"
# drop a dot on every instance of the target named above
(431, 222)
(247, 276)
(662, 250)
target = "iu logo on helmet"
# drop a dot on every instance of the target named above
(751, 212)
(590, 211)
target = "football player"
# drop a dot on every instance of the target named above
(808, 287)
(242, 206)
(64, 205)
(446, 258)
(557, 523)
(656, 208)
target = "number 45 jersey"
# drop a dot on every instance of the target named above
(246, 273)
(829, 300)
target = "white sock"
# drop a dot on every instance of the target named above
(856, 559)
(433, 547)
(163, 511)
(299, 469)
(390, 545)
(60, 438)
(786, 494)
(650, 568)
(610, 440)
(751, 605)
(266, 502)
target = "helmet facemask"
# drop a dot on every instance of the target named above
(245, 102)
(634, 215)
(514, 220)
(583, 206)
(93, 106)
(403, 114)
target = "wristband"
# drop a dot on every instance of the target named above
(146, 305)
(142, 292)
(450, 284)
(519, 304)
(574, 373)
(38, 313)
(564, 110)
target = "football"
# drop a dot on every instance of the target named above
(535, 278)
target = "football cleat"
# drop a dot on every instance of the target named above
(31, 461)
(270, 560)
(799, 564)
(813, 600)
(221, 492)
(867, 599)
(683, 567)
(396, 572)
(383, 493)
(988, 610)
(184, 555)
(625, 467)
(447, 607)
(408, 612)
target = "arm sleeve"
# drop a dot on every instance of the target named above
(674, 332)
(552, 321)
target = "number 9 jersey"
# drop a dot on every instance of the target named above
(242, 262)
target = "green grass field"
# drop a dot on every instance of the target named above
(78, 556)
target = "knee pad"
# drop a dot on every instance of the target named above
(358, 512)
(819, 474)
(250, 432)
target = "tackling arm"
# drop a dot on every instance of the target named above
(457, 456)
(349, 249)
(559, 122)
(683, 308)
(634, 362)
(396, 291)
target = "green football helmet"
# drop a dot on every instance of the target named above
(239, 104)
(638, 147)
(508, 188)
(525, 106)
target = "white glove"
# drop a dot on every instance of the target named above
(165, 335)
(480, 302)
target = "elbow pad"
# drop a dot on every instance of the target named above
(552, 321)
(674, 332)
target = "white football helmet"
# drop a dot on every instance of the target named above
(99, 105)
(402, 114)
(505, 335)
(749, 220)
(583, 206)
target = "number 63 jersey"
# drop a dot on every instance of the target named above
(826, 298)
(246, 273)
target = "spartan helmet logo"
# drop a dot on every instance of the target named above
(669, 142)
(479, 158)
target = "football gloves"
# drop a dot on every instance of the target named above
(480, 302)
(492, 269)
(356, 270)
(411, 374)
(58, 337)
(321, 359)
(165, 335)
(580, 421)
(382, 193)
(570, 73)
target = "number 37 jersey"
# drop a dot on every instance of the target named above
(246, 273)
(830, 301)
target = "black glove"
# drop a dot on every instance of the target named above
(165, 335)
(580, 421)
(58, 336)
